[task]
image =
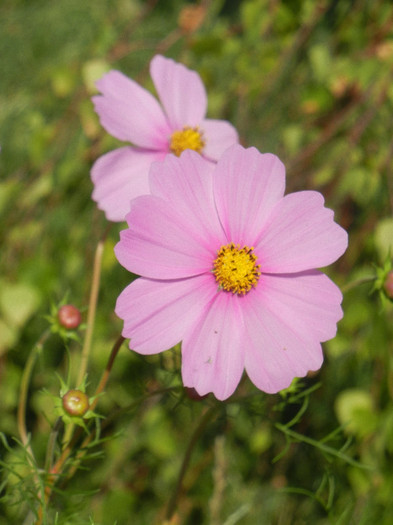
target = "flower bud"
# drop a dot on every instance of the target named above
(75, 403)
(191, 18)
(69, 316)
(388, 285)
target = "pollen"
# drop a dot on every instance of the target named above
(187, 138)
(236, 269)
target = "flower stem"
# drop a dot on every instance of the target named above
(358, 282)
(95, 286)
(92, 309)
(51, 444)
(55, 471)
(186, 460)
(24, 387)
(107, 371)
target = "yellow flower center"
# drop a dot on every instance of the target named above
(187, 138)
(236, 269)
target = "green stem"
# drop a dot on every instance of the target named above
(107, 371)
(21, 415)
(55, 470)
(124, 410)
(91, 315)
(186, 460)
(92, 436)
(92, 310)
(358, 282)
(321, 446)
(24, 387)
(50, 451)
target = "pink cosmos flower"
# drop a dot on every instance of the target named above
(228, 268)
(130, 113)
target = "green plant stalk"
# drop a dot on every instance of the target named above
(99, 390)
(50, 450)
(92, 310)
(88, 439)
(356, 283)
(105, 375)
(24, 387)
(55, 471)
(124, 410)
(321, 446)
(95, 286)
(104, 379)
(186, 460)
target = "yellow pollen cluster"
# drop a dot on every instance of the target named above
(235, 269)
(187, 138)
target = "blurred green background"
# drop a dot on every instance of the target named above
(310, 81)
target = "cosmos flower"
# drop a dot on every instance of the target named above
(130, 113)
(228, 267)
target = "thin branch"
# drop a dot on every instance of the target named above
(24, 387)
(105, 376)
(92, 309)
(55, 471)
(186, 460)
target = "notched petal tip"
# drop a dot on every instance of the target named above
(181, 92)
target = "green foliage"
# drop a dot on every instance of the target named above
(309, 81)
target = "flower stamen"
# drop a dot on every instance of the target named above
(235, 269)
(187, 138)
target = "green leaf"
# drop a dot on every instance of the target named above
(383, 238)
(18, 302)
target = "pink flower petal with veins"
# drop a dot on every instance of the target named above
(180, 90)
(300, 235)
(219, 135)
(158, 314)
(159, 245)
(213, 352)
(128, 179)
(276, 353)
(302, 298)
(187, 184)
(247, 186)
(130, 113)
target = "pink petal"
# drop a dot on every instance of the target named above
(180, 90)
(157, 314)
(275, 353)
(129, 112)
(219, 135)
(247, 185)
(308, 302)
(119, 176)
(300, 235)
(159, 245)
(213, 353)
(187, 184)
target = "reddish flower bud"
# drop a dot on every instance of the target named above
(388, 284)
(69, 316)
(75, 403)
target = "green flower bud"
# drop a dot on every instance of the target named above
(75, 403)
